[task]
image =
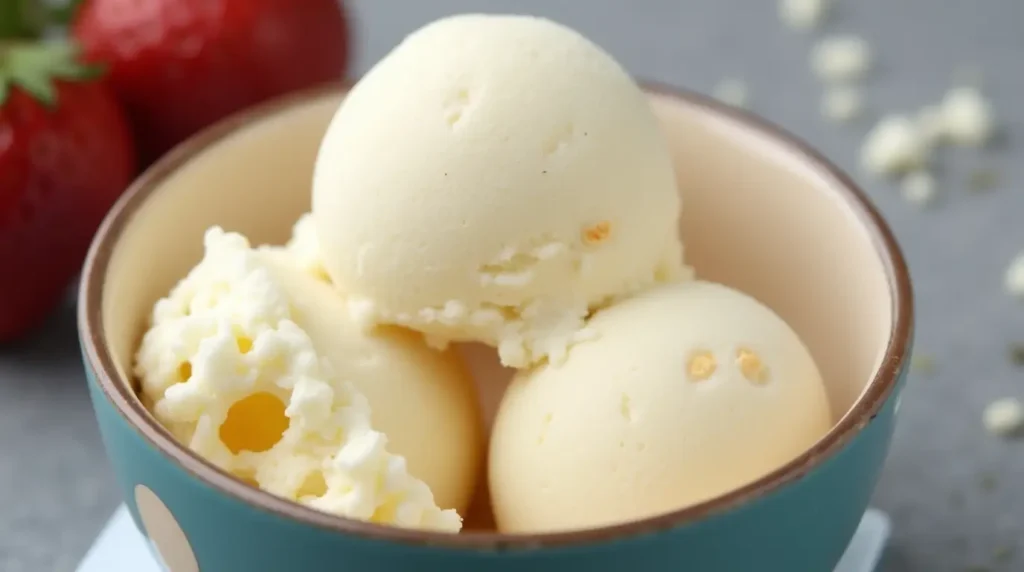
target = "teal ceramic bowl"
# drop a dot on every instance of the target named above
(764, 213)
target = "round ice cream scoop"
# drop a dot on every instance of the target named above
(492, 179)
(421, 399)
(689, 391)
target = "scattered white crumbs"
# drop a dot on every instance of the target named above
(894, 146)
(919, 188)
(902, 145)
(841, 58)
(967, 117)
(842, 103)
(1015, 277)
(1004, 417)
(802, 14)
(732, 91)
(964, 117)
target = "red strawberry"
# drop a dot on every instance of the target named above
(65, 157)
(179, 65)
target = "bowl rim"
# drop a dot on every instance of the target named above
(119, 393)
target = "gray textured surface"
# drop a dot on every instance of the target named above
(56, 489)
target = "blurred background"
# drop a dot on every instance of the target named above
(953, 487)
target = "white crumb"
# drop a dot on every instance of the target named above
(967, 117)
(1015, 277)
(842, 103)
(919, 188)
(732, 91)
(841, 58)
(802, 14)
(894, 146)
(1004, 417)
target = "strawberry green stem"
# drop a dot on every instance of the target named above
(33, 67)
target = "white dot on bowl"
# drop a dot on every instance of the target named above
(164, 533)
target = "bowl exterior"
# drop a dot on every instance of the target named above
(802, 527)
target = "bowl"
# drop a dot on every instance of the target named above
(763, 213)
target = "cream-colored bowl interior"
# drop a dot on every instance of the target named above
(758, 215)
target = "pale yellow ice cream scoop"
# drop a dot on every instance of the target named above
(690, 390)
(255, 364)
(493, 179)
(422, 399)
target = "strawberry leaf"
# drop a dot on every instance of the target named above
(34, 67)
(37, 85)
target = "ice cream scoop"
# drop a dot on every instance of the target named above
(494, 178)
(255, 365)
(690, 390)
(422, 399)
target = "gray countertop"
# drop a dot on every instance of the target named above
(947, 484)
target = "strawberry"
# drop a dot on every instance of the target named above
(65, 156)
(179, 65)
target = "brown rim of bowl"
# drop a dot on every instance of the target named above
(120, 391)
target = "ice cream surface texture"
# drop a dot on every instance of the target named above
(494, 178)
(253, 364)
(691, 390)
